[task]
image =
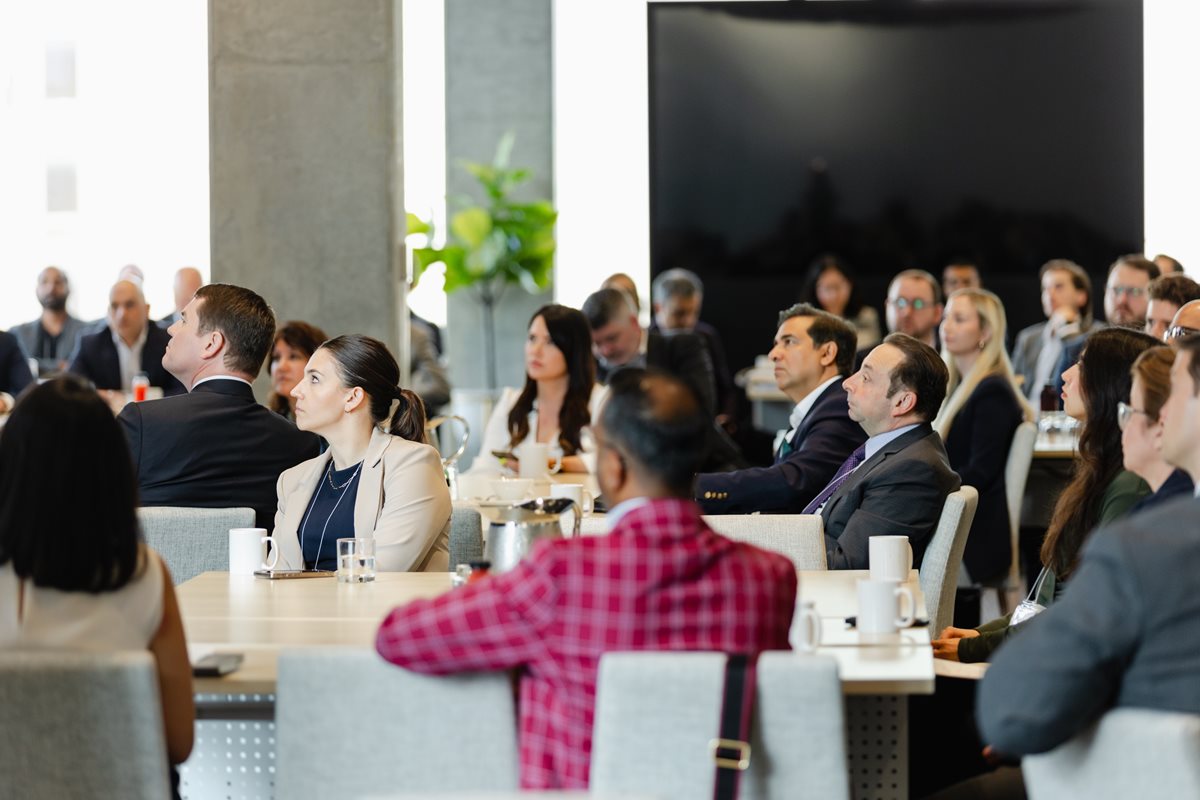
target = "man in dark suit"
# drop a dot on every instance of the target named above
(897, 481)
(619, 341)
(215, 447)
(14, 371)
(813, 354)
(678, 296)
(127, 345)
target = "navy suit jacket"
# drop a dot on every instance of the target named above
(14, 365)
(96, 359)
(825, 438)
(215, 447)
(898, 491)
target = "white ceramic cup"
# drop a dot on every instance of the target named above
(890, 558)
(576, 492)
(806, 628)
(879, 604)
(512, 490)
(535, 460)
(248, 551)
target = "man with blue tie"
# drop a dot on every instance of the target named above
(813, 354)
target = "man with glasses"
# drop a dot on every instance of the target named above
(1185, 323)
(914, 306)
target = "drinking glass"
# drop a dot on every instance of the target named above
(356, 560)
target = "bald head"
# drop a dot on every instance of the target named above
(187, 281)
(128, 311)
(53, 289)
(1186, 322)
(624, 283)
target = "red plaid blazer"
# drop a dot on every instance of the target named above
(662, 580)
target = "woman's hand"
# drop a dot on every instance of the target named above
(946, 646)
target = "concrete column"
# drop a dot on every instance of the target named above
(498, 63)
(307, 196)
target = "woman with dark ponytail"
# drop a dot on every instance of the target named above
(379, 478)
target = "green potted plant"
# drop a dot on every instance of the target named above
(492, 245)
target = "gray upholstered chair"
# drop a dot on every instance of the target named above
(466, 536)
(192, 540)
(943, 557)
(1130, 752)
(81, 725)
(800, 537)
(1016, 474)
(656, 714)
(349, 724)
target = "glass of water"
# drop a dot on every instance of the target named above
(356, 560)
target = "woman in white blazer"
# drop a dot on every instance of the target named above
(371, 483)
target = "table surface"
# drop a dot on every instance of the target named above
(258, 617)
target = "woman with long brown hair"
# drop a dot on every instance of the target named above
(1100, 491)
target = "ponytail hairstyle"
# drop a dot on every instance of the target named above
(365, 362)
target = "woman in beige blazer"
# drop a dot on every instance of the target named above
(371, 482)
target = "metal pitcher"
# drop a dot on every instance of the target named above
(512, 530)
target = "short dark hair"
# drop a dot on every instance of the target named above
(825, 328)
(1136, 261)
(1174, 262)
(922, 371)
(1174, 288)
(1079, 279)
(367, 363)
(61, 434)
(818, 267)
(300, 336)
(606, 305)
(243, 318)
(682, 283)
(655, 420)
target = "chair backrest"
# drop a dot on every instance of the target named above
(192, 540)
(800, 537)
(1016, 473)
(466, 536)
(1128, 753)
(943, 556)
(81, 725)
(657, 712)
(348, 723)
(449, 443)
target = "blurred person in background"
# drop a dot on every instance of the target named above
(52, 337)
(1168, 294)
(187, 281)
(829, 285)
(294, 344)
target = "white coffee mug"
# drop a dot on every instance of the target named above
(890, 558)
(576, 492)
(248, 551)
(535, 460)
(806, 628)
(512, 490)
(879, 604)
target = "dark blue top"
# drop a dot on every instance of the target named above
(1179, 483)
(333, 501)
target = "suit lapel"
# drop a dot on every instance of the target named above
(290, 554)
(369, 500)
(873, 463)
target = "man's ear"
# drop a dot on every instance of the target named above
(904, 403)
(828, 354)
(214, 345)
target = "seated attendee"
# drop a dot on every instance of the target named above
(897, 481)
(373, 482)
(14, 371)
(1100, 490)
(426, 375)
(127, 345)
(1167, 265)
(621, 281)
(960, 274)
(187, 281)
(813, 354)
(1067, 304)
(52, 337)
(215, 447)
(560, 398)
(1142, 430)
(978, 421)
(1167, 293)
(914, 306)
(1185, 323)
(74, 573)
(830, 286)
(678, 296)
(294, 344)
(542, 617)
(619, 342)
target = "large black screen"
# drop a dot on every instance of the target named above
(894, 134)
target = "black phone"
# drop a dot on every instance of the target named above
(214, 665)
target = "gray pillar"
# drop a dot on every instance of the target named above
(498, 62)
(307, 190)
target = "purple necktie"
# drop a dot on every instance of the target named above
(843, 472)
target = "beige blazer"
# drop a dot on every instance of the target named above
(402, 502)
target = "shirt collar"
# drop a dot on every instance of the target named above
(222, 378)
(137, 343)
(881, 440)
(624, 507)
(805, 405)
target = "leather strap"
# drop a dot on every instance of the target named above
(731, 750)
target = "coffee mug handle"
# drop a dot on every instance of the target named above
(557, 455)
(906, 620)
(273, 558)
(589, 502)
(810, 629)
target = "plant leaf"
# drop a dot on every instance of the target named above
(471, 226)
(414, 225)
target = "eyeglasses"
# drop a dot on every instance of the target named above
(1179, 331)
(1125, 413)
(903, 302)
(1131, 291)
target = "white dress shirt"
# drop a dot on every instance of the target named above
(129, 356)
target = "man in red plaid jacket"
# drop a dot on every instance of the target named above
(661, 580)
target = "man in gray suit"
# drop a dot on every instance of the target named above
(1067, 304)
(51, 338)
(896, 482)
